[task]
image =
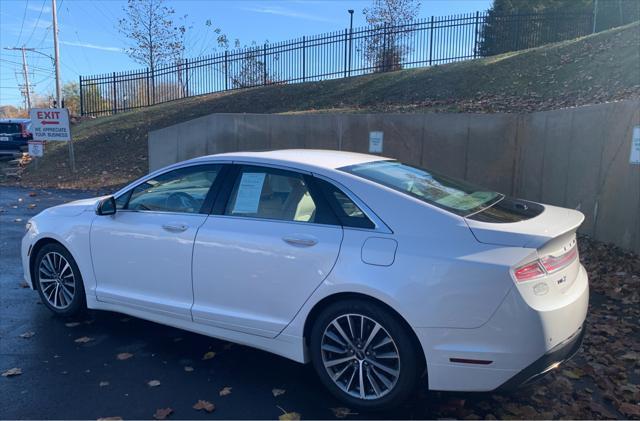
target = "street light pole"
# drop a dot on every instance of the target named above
(56, 52)
(350, 37)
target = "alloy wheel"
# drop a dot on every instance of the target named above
(57, 280)
(360, 356)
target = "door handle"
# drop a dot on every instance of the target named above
(175, 227)
(300, 242)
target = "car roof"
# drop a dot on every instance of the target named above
(14, 120)
(310, 158)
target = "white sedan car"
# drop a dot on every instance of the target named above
(376, 272)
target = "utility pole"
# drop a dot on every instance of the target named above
(56, 52)
(25, 70)
(595, 15)
(25, 74)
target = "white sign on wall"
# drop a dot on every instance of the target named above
(375, 142)
(634, 157)
(50, 124)
(36, 148)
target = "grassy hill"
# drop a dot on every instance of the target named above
(597, 68)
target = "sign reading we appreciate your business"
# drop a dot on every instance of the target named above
(50, 124)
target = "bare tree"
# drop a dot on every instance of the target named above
(252, 70)
(156, 39)
(385, 48)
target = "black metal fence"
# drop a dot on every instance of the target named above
(338, 54)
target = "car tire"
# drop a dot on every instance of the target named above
(59, 281)
(390, 350)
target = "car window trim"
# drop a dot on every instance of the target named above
(224, 199)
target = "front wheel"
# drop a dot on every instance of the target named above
(364, 354)
(59, 281)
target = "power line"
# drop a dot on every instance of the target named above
(24, 17)
(20, 64)
(37, 21)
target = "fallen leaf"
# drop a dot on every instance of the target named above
(631, 356)
(72, 324)
(124, 356)
(12, 372)
(153, 383)
(109, 419)
(32, 194)
(630, 409)
(208, 355)
(342, 412)
(162, 413)
(83, 340)
(204, 405)
(277, 392)
(572, 374)
(103, 384)
(288, 416)
(225, 391)
(188, 369)
(27, 335)
(32, 205)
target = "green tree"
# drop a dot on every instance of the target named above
(71, 97)
(506, 29)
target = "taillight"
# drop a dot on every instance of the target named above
(529, 271)
(553, 263)
(545, 265)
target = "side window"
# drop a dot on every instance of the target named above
(269, 193)
(182, 190)
(348, 212)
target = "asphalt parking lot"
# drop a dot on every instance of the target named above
(70, 369)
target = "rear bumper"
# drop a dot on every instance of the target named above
(514, 347)
(13, 145)
(561, 353)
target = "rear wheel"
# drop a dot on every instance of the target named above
(59, 281)
(364, 354)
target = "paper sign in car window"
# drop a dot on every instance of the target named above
(248, 197)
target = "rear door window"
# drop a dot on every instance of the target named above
(269, 193)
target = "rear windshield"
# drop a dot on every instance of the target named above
(456, 196)
(9, 128)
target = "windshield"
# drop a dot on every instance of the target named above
(447, 193)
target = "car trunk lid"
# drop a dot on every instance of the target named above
(551, 225)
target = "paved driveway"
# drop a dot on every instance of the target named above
(65, 379)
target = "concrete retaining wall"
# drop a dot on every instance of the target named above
(577, 158)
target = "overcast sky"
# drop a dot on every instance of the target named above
(90, 42)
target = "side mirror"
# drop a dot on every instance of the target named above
(106, 206)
